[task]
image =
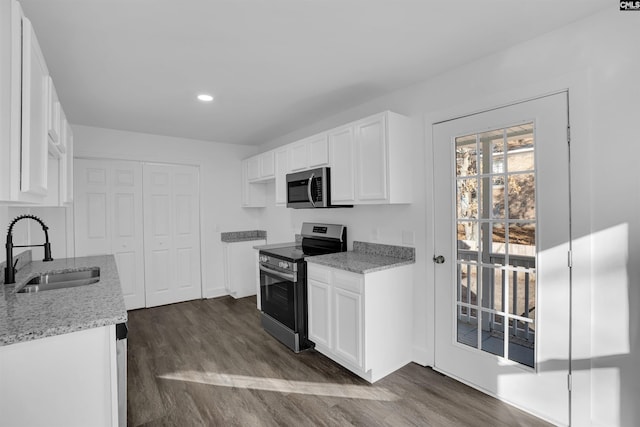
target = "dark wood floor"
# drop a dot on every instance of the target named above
(208, 362)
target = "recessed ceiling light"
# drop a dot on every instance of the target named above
(205, 98)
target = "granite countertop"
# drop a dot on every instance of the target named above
(25, 317)
(367, 258)
(243, 236)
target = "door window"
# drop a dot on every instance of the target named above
(496, 242)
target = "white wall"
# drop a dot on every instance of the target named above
(596, 59)
(220, 183)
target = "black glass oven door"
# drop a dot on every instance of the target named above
(277, 296)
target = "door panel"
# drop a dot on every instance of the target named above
(319, 315)
(348, 333)
(108, 220)
(172, 233)
(502, 294)
(372, 159)
(342, 166)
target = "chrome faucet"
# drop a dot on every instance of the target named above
(10, 269)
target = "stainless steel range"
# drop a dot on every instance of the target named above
(283, 282)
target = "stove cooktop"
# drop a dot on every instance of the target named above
(292, 253)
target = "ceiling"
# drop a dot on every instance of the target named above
(273, 65)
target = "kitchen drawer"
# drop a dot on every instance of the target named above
(320, 274)
(349, 281)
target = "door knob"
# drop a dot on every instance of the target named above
(438, 259)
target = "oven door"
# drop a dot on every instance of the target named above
(278, 295)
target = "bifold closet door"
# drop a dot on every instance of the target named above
(171, 233)
(108, 220)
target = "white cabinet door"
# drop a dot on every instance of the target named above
(342, 165)
(298, 156)
(267, 165)
(66, 181)
(371, 155)
(319, 313)
(347, 307)
(60, 372)
(171, 233)
(53, 116)
(254, 168)
(282, 169)
(35, 104)
(318, 151)
(54, 174)
(108, 220)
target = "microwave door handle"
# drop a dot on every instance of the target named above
(309, 190)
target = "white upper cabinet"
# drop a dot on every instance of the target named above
(342, 144)
(309, 153)
(53, 117)
(66, 161)
(371, 161)
(298, 156)
(35, 103)
(282, 169)
(36, 137)
(318, 151)
(261, 167)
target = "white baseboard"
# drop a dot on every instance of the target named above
(214, 293)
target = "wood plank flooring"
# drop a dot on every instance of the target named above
(209, 363)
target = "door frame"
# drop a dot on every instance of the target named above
(576, 85)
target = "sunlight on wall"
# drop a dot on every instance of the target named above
(349, 391)
(610, 308)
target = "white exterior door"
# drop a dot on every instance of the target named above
(108, 220)
(502, 282)
(172, 233)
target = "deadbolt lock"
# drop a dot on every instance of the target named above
(438, 259)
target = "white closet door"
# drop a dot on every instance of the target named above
(92, 219)
(172, 233)
(108, 220)
(127, 234)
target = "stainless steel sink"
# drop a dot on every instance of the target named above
(68, 279)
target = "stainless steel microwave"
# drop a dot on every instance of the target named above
(309, 189)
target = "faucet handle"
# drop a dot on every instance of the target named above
(14, 264)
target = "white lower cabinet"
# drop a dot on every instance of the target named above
(361, 321)
(239, 267)
(63, 380)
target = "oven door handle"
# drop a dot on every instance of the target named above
(286, 276)
(309, 190)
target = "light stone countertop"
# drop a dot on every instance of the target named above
(367, 258)
(358, 262)
(242, 236)
(25, 317)
(276, 245)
